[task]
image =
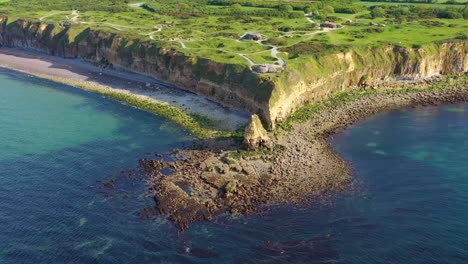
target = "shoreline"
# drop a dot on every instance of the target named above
(204, 118)
(215, 178)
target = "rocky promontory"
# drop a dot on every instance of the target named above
(217, 177)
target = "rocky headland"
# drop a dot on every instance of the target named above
(292, 167)
(288, 158)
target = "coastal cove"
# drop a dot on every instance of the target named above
(198, 115)
(234, 131)
(77, 205)
(216, 176)
(70, 191)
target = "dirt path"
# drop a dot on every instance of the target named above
(75, 15)
(251, 62)
(135, 5)
(274, 50)
(52, 14)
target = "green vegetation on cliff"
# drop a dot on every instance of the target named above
(200, 126)
(303, 51)
(336, 100)
(211, 29)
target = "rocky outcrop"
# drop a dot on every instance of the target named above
(255, 134)
(272, 97)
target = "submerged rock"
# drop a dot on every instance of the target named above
(315, 250)
(152, 246)
(203, 253)
(83, 221)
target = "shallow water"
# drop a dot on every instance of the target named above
(57, 144)
(60, 147)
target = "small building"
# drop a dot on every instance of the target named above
(267, 68)
(65, 24)
(328, 24)
(262, 69)
(272, 70)
(252, 36)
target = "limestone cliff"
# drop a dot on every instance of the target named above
(372, 66)
(229, 84)
(271, 97)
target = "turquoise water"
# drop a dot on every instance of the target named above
(58, 146)
(69, 191)
(412, 167)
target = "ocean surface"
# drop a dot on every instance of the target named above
(70, 191)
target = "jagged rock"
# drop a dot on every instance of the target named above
(255, 134)
(230, 188)
(179, 206)
(364, 81)
(235, 168)
(209, 164)
(213, 179)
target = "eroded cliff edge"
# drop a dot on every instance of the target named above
(229, 84)
(273, 97)
(372, 66)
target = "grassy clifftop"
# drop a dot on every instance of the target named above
(307, 78)
(230, 84)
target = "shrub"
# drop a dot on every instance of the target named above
(277, 41)
(285, 8)
(374, 30)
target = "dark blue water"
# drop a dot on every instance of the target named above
(60, 147)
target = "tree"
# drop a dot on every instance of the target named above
(182, 6)
(236, 7)
(378, 12)
(285, 8)
(310, 9)
(328, 9)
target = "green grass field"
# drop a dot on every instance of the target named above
(460, 4)
(212, 31)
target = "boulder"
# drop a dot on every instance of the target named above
(255, 134)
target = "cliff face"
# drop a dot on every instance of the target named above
(338, 72)
(230, 85)
(273, 98)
